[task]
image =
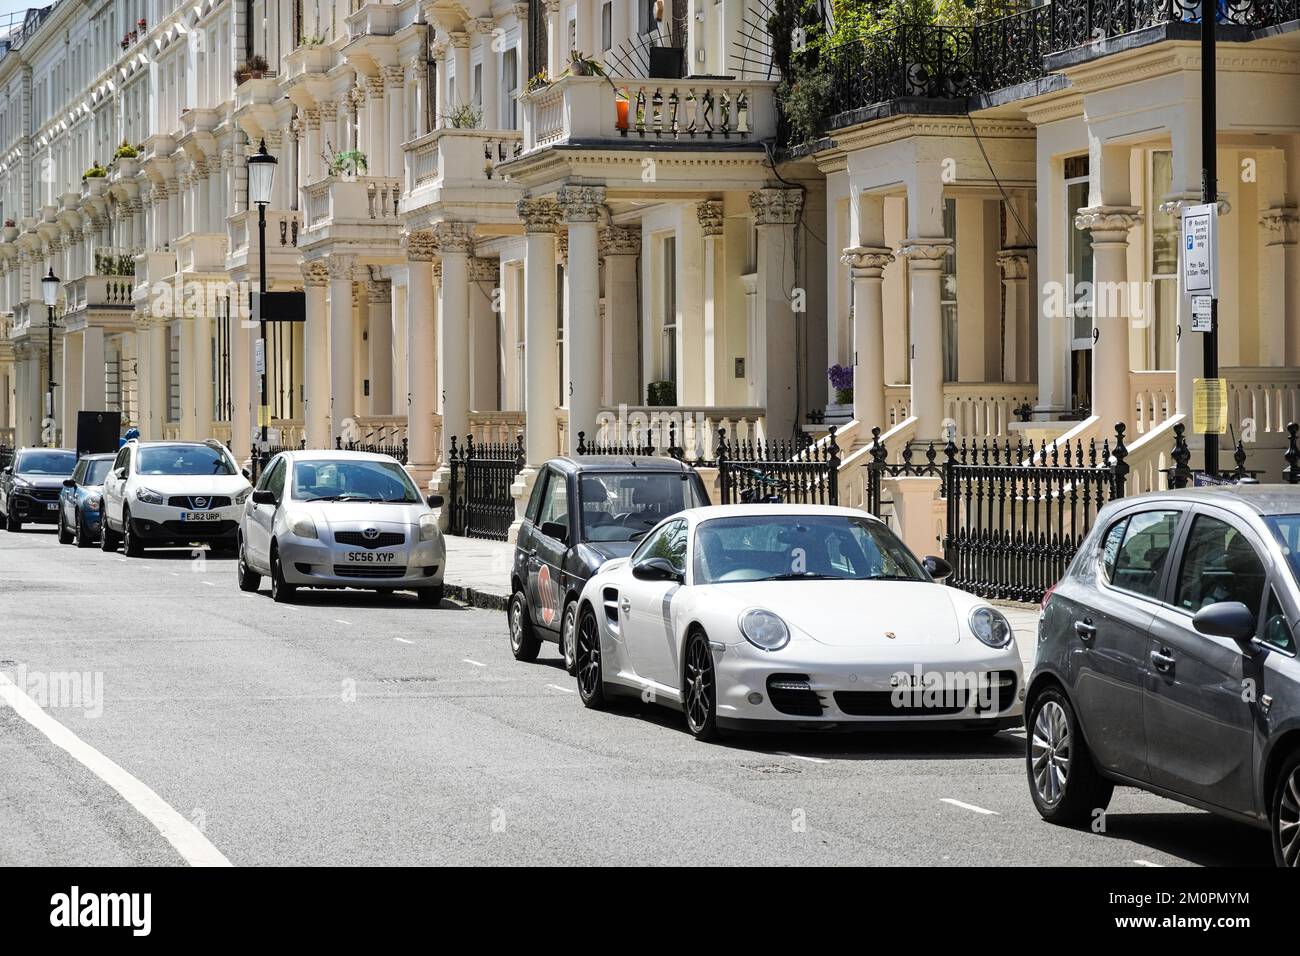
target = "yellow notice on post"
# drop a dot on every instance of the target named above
(1210, 406)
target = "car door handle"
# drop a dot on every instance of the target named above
(625, 606)
(1085, 629)
(1163, 659)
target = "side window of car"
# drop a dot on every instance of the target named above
(1219, 564)
(1110, 548)
(79, 472)
(121, 459)
(555, 503)
(1143, 551)
(275, 479)
(1277, 629)
(669, 542)
(535, 502)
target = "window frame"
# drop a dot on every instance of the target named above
(1175, 547)
(638, 557)
(1170, 590)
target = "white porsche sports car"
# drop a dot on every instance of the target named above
(784, 617)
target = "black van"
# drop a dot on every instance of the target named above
(582, 513)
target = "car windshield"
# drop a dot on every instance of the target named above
(381, 481)
(1286, 528)
(46, 463)
(623, 506)
(786, 547)
(96, 471)
(183, 460)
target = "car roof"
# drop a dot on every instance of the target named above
(99, 456)
(1272, 499)
(710, 512)
(660, 463)
(334, 454)
(70, 451)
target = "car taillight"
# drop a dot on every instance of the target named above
(1047, 596)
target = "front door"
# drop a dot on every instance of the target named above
(113, 486)
(1199, 705)
(261, 518)
(551, 537)
(651, 638)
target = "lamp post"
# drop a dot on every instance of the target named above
(1210, 194)
(261, 177)
(50, 293)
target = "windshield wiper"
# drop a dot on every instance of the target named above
(889, 577)
(341, 498)
(804, 576)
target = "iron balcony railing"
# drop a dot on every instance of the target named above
(915, 61)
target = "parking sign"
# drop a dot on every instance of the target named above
(1201, 250)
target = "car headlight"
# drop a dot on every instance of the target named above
(429, 527)
(302, 525)
(990, 626)
(764, 630)
(21, 483)
(148, 496)
(243, 496)
(93, 501)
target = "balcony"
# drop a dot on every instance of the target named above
(151, 269)
(696, 111)
(100, 292)
(458, 157)
(361, 201)
(201, 252)
(282, 228)
(308, 59)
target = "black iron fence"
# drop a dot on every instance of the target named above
(481, 475)
(6, 456)
(632, 444)
(394, 449)
(786, 472)
(880, 468)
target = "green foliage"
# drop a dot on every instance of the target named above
(465, 116)
(96, 171)
(351, 161)
(126, 151)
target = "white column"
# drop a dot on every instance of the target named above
(201, 369)
(316, 356)
(460, 56)
(185, 332)
(455, 239)
(159, 380)
(582, 206)
(867, 266)
(70, 387)
(379, 303)
(1014, 266)
(422, 348)
(398, 339)
(621, 371)
(775, 212)
(342, 382)
(484, 338)
(554, 44)
(540, 218)
(709, 214)
(395, 99)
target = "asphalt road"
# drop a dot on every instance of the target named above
(355, 730)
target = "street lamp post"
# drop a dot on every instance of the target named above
(261, 177)
(50, 294)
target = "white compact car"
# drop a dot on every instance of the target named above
(340, 519)
(783, 617)
(172, 493)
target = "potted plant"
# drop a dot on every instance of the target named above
(538, 81)
(841, 378)
(254, 68)
(661, 394)
(126, 151)
(95, 171)
(582, 65)
(142, 23)
(465, 116)
(348, 162)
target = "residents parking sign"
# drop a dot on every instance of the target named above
(1200, 250)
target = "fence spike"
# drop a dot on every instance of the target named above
(1180, 475)
(1291, 473)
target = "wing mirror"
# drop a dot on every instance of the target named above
(553, 529)
(69, 483)
(8, 470)
(937, 568)
(657, 569)
(246, 473)
(264, 496)
(1230, 619)
(436, 501)
(119, 473)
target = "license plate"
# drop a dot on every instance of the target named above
(52, 506)
(200, 516)
(370, 557)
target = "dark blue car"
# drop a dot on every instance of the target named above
(81, 503)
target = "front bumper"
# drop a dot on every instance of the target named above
(311, 562)
(164, 523)
(32, 510)
(812, 686)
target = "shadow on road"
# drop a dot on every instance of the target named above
(1197, 837)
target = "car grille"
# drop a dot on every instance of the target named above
(365, 571)
(187, 502)
(884, 703)
(42, 494)
(356, 539)
(791, 694)
(199, 530)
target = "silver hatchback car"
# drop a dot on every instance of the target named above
(340, 519)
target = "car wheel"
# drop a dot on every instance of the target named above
(81, 535)
(524, 642)
(248, 579)
(12, 523)
(132, 546)
(65, 536)
(107, 537)
(1063, 780)
(281, 592)
(589, 661)
(568, 637)
(700, 690)
(1284, 819)
(431, 597)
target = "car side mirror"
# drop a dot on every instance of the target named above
(937, 568)
(264, 496)
(246, 473)
(119, 473)
(656, 569)
(69, 483)
(436, 501)
(1230, 619)
(553, 529)
(8, 470)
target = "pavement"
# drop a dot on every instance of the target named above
(217, 726)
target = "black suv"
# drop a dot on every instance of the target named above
(582, 513)
(1167, 661)
(30, 487)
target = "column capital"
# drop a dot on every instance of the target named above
(483, 25)
(311, 118)
(866, 262)
(1014, 262)
(521, 11)
(459, 39)
(375, 87)
(620, 241)
(421, 245)
(340, 267)
(315, 272)
(395, 76)
(379, 291)
(709, 214)
(562, 248)
(1108, 223)
(923, 253)
(552, 6)
(539, 215)
(455, 237)
(483, 269)
(1279, 224)
(775, 207)
(581, 203)
(329, 112)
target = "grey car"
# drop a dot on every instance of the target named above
(1167, 661)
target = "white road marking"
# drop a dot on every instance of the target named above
(339, 620)
(189, 842)
(566, 690)
(209, 584)
(1148, 863)
(969, 806)
(475, 663)
(402, 640)
(802, 757)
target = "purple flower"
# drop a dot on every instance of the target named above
(841, 376)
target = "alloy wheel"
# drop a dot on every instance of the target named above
(1051, 750)
(699, 685)
(516, 623)
(568, 642)
(587, 653)
(1288, 820)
